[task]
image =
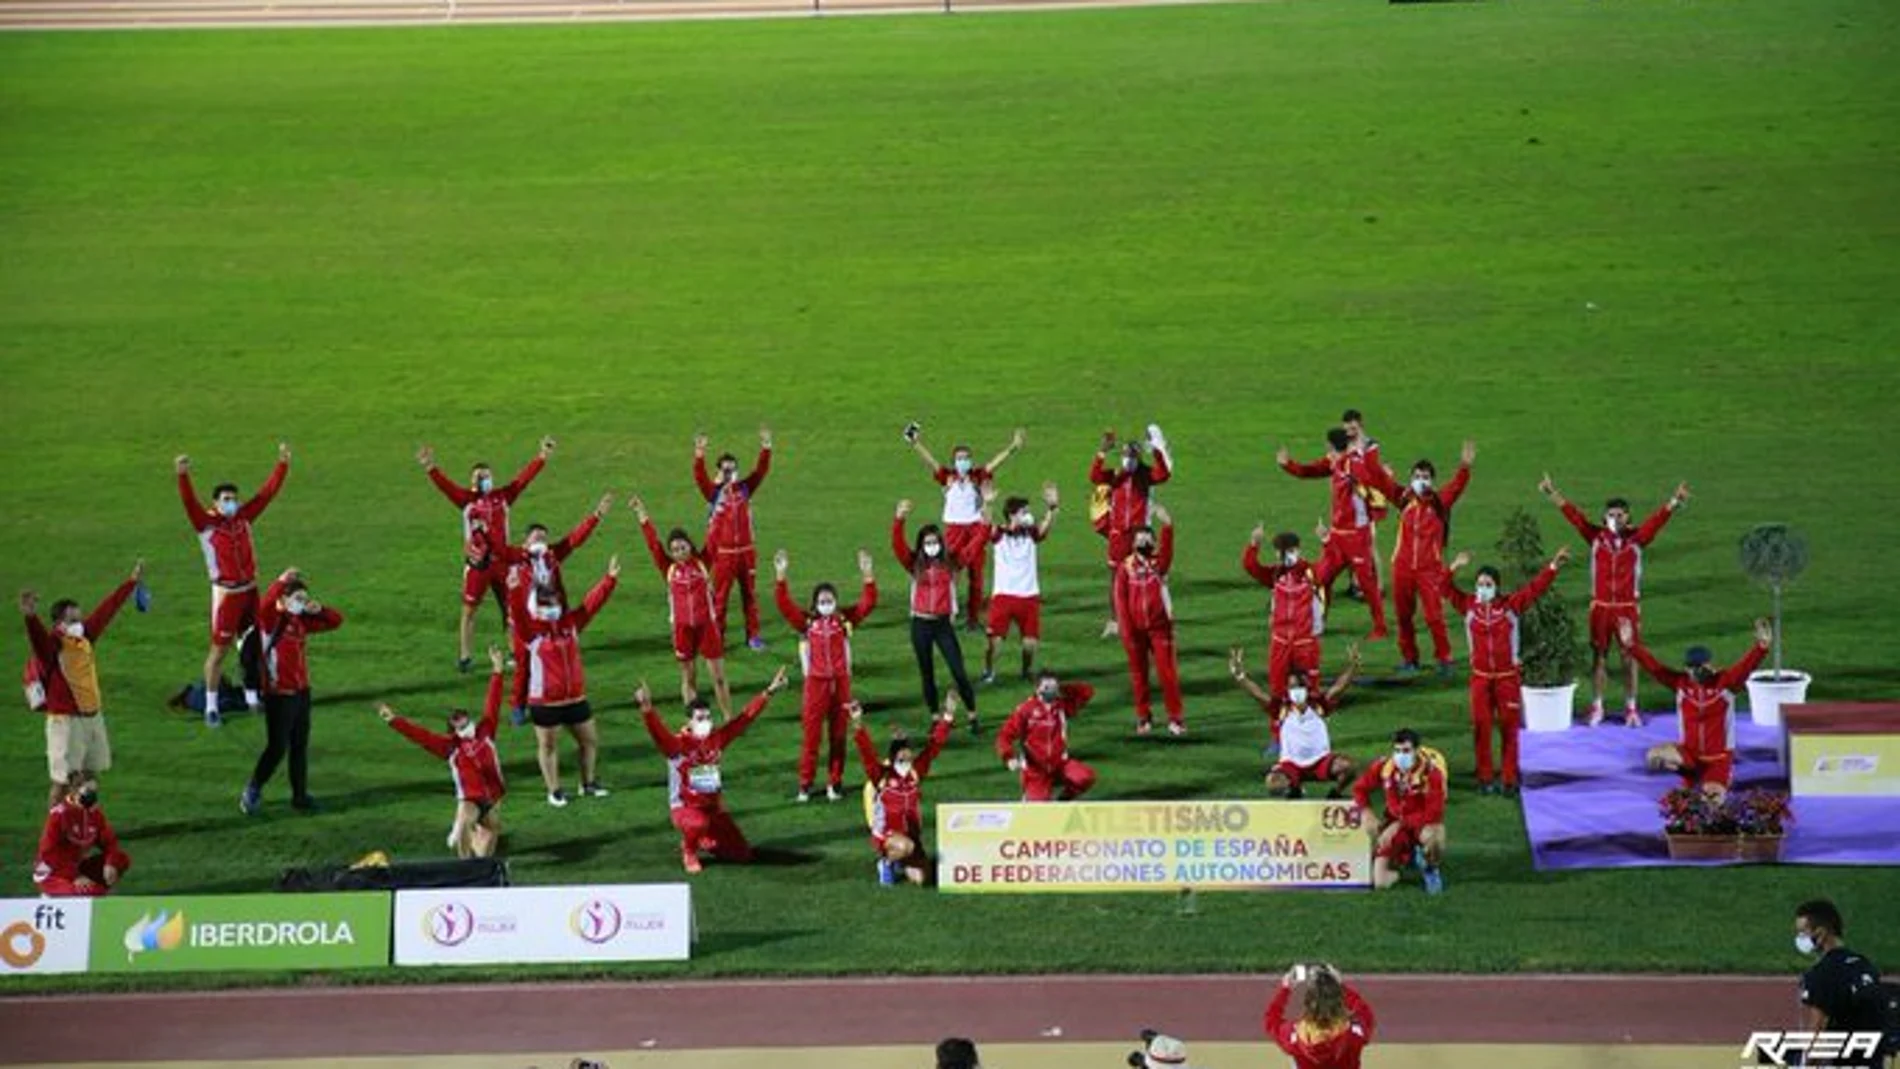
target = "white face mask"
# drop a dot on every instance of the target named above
(1296, 695)
(537, 548)
(933, 549)
(1289, 558)
(699, 728)
(1405, 760)
(827, 608)
(73, 629)
(1128, 463)
(228, 506)
(1805, 943)
(1022, 519)
(548, 612)
(296, 606)
(902, 768)
(1486, 593)
(484, 484)
(1420, 485)
(465, 730)
(1614, 524)
(1049, 693)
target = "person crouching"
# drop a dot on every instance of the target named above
(79, 854)
(896, 796)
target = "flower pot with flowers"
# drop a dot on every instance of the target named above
(1701, 824)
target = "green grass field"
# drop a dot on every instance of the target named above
(1626, 243)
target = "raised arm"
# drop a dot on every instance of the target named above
(754, 709)
(439, 745)
(526, 475)
(867, 750)
(701, 477)
(939, 738)
(1051, 503)
(597, 597)
(923, 453)
(101, 616)
(1361, 1012)
(1737, 674)
(652, 536)
(865, 603)
(1658, 671)
(195, 510)
(1657, 520)
(794, 615)
(576, 538)
(1278, 1028)
(1164, 553)
(1316, 469)
(900, 545)
(45, 646)
(663, 740)
(323, 619)
(1578, 520)
(1077, 695)
(266, 493)
(1455, 489)
(1098, 472)
(1374, 475)
(491, 706)
(1237, 667)
(458, 495)
(1015, 443)
(1522, 597)
(1338, 688)
(1250, 559)
(762, 466)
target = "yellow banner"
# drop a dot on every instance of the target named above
(1033, 848)
(1860, 765)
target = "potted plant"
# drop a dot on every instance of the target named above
(1548, 646)
(1773, 554)
(1705, 825)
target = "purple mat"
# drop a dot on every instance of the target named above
(1590, 804)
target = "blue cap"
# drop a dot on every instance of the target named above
(1697, 656)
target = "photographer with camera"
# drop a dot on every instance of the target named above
(1335, 1024)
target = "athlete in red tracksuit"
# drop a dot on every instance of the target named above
(79, 854)
(729, 531)
(1491, 630)
(690, 609)
(933, 608)
(1296, 617)
(1144, 614)
(1129, 487)
(1349, 543)
(897, 814)
(1336, 1024)
(964, 483)
(1418, 561)
(824, 652)
(533, 565)
(1616, 579)
(484, 528)
(1409, 825)
(557, 682)
(286, 616)
(1041, 725)
(224, 536)
(1704, 754)
(474, 766)
(695, 784)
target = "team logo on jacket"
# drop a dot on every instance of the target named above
(596, 920)
(449, 924)
(163, 932)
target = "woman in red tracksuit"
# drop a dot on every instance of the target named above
(1145, 616)
(1041, 724)
(1129, 487)
(697, 632)
(474, 766)
(696, 799)
(536, 563)
(897, 819)
(557, 684)
(1491, 626)
(79, 854)
(824, 652)
(1335, 1024)
(1297, 616)
(286, 616)
(933, 608)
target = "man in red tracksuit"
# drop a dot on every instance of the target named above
(688, 572)
(897, 793)
(1349, 543)
(1704, 753)
(1296, 618)
(224, 536)
(64, 667)
(824, 653)
(557, 681)
(1616, 579)
(1144, 614)
(695, 785)
(729, 531)
(474, 766)
(536, 564)
(1491, 628)
(1041, 725)
(964, 483)
(484, 527)
(79, 854)
(1129, 486)
(1409, 825)
(1418, 561)
(286, 615)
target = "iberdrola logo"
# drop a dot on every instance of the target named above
(164, 932)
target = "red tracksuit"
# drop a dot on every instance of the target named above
(67, 851)
(230, 556)
(1146, 615)
(553, 665)
(1616, 572)
(1296, 619)
(824, 653)
(1706, 712)
(1415, 800)
(1128, 501)
(474, 765)
(1491, 630)
(689, 600)
(1311, 1049)
(966, 540)
(729, 537)
(1043, 729)
(1418, 561)
(897, 807)
(46, 650)
(695, 786)
(526, 571)
(933, 587)
(484, 527)
(1349, 544)
(286, 670)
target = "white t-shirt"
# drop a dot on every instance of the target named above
(1304, 739)
(961, 501)
(1016, 567)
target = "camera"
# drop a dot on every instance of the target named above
(1138, 1059)
(912, 430)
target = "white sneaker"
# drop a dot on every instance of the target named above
(832, 793)
(557, 799)
(1176, 728)
(1596, 713)
(804, 794)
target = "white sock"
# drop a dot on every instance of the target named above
(250, 698)
(211, 701)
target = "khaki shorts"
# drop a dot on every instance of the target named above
(76, 742)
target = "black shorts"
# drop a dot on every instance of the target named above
(572, 714)
(483, 808)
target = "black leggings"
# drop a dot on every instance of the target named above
(940, 632)
(287, 723)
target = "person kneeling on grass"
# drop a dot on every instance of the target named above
(1304, 744)
(694, 783)
(1704, 753)
(79, 854)
(894, 796)
(1410, 826)
(474, 765)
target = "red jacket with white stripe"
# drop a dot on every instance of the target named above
(474, 765)
(1294, 611)
(230, 556)
(1424, 519)
(689, 600)
(824, 648)
(71, 835)
(693, 777)
(1616, 560)
(1043, 728)
(1141, 587)
(897, 807)
(933, 584)
(729, 520)
(484, 513)
(286, 671)
(1491, 628)
(1128, 491)
(1706, 710)
(1350, 511)
(555, 675)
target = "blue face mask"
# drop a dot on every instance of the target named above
(485, 484)
(963, 465)
(1405, 760)
(227, 506)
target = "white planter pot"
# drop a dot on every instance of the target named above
(1548, 708)
(1766, 695)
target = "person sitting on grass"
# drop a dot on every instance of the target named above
(1409, 827)
(79, 854)
(1304, 745)
(474, 765)
(894, 797)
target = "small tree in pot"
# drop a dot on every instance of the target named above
(1774, 554)
(1548, 643)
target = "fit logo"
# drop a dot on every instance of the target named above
(22, 944)
(1802, 1048)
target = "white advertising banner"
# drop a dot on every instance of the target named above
(43, 935)
(504, 925)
